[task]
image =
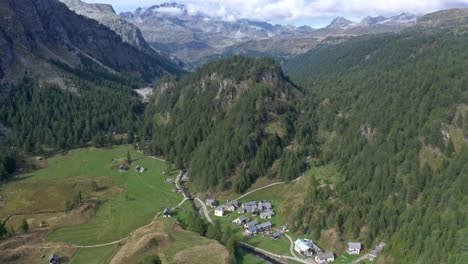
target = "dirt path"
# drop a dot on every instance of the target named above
(205, 210)
(291, 248)
(264, 187)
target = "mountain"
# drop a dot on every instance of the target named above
(341, 27)
(196, 38)
(239, 108)
(48, 41)
(106, 15)
(340, 22)
(392, 118)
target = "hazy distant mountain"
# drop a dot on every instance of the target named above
(196, 38)
(340, 26)
(43, 38)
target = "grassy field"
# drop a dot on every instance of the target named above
(94, 255)
(143, 195)
(128, 200)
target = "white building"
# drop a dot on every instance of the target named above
(354, 248)
(219, 211)
(304, 247)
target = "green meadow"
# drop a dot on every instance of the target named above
(126, 200)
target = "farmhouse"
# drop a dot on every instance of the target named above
(167, 212)
(219, 211)
(376, 251)
(304, 247)
(251, 223)
(240, 210)
(286, 228)
(249, 204)
(251, 230)
(354, 248)
(54, 259)
(121, 168)
(264, 227)
(277, 235)
(241, 220)
(266, 215)
(325, 257)
(211, 203)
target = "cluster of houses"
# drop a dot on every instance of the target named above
(263, 209)
(253, 227)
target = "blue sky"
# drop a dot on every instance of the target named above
(296, 12)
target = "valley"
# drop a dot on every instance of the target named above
(171, 134)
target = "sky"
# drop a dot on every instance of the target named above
(295, 12)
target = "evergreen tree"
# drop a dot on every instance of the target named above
(24, 226)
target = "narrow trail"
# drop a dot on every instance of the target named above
(265, 187)
(205, 210)
(291, 248)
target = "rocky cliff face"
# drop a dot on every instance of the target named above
(35, 33)
(106, 15)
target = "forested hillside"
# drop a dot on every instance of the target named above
(393, 117)
(229, 118)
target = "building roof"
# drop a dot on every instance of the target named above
(265, 214)
(252, 223)
(267, 205)
(252, 228)
(240, 209)
(250, 204)
(219, 208)
(210, 201)
(303, 245)
(264, 225)
(326, 255)
(234, 202)
(167, 210)
(243, 218)
(355, 245)
(277, 234)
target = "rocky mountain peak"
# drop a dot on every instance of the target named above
(340, 22)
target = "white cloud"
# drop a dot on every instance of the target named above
(292, 11)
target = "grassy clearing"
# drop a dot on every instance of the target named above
(94, 255)
(144, 195)
(128, 200)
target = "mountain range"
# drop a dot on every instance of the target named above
(196, 38)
